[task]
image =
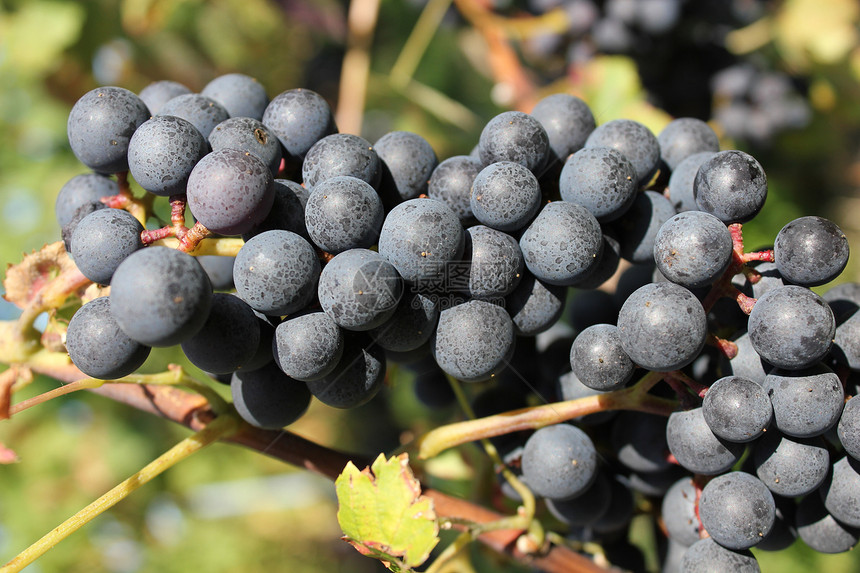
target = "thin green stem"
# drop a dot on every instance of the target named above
(416, 44)
(218, 428)
(635, 397)
(82, 384)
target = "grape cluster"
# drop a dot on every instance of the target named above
(463, 268)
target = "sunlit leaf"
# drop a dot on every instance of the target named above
(383, 514)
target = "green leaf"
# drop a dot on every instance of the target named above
(383, 514)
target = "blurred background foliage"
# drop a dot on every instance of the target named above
(780, 79)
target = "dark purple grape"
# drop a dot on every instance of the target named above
(308, 346)
(359, 289)
(248, 134)
(357, 377)
(634, 141)
(639, 439)
(100, 126)
(586, 508)
(81, 189)
(97, 345)
(505, 196)
(807, 402)
(679, 512)
(707, 556)
(791, 327)
(160, 296)
(535, 306)
(559, 462)
(276, 272)
(737, 510)
(810, 251)
(162, 153)
(495, 263)
(820, 531)
(662, 327)
(696, 447)
(732, 186)
(684, 137)
(849, 427)
(240, 95)
(230, 191)
(451, 183)
(598, 359)
(104, 239)
(219, 270)
(747, 363)
(600, 179)
(287, 212)
(228, 339)
(267, 398)
(681, 181)
(411, 325)
(157, 93)
(299, 118)
(408, 162)
(563, 244)
(791, 467)
(473, 341)
(568, 122)
(514, 136)
(737, 409)
(341, 154)
(841, 492)
(693, 249)
(637, 229)
(203, 112)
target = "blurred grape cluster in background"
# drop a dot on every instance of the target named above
(779, 79)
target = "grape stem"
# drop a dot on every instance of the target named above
(220, 427)
(635, 397)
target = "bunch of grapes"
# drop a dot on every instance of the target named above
(360, 254)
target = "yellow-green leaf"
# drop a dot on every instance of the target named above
(383, 514)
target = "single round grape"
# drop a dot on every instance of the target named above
(841, 491)
(299, 118)
(157, 93)
(639, 439)
(805, 402)
(411, 325)
(230, 191)
(707, 556)
(662, 327)
(535, 306)
(634, 141)
(696, 447)
(791, 327)
(791, 467)
(598, 359)
(505, 196)
(849, 427)
(81, 189)
(684, 137)
(248, 134)
(203, 112)
(732, 186)
(267, 398)
(357, 377)
(228, 339)
(160, 296)
(97, 345)
(100, 126)
(343, 213)
(679, 512)
(104, 239)
(341, 154)
(276, 272)
(473, 341)
(568, 122)
(308, 346)
(162, 153)
(287, 212)
(495, 263)
(408, 162)
(563, 244)
(810, 251)
(820, 531)
(737, 510)
(240, 95)
(559, 462)
(514, 136)
(637, 229)
(451, 183)
(693, 249)
(600, 179)
(359, 289)
(681, 181)
(421, 237)
(737, 409)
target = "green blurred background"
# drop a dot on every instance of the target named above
(228, 510)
